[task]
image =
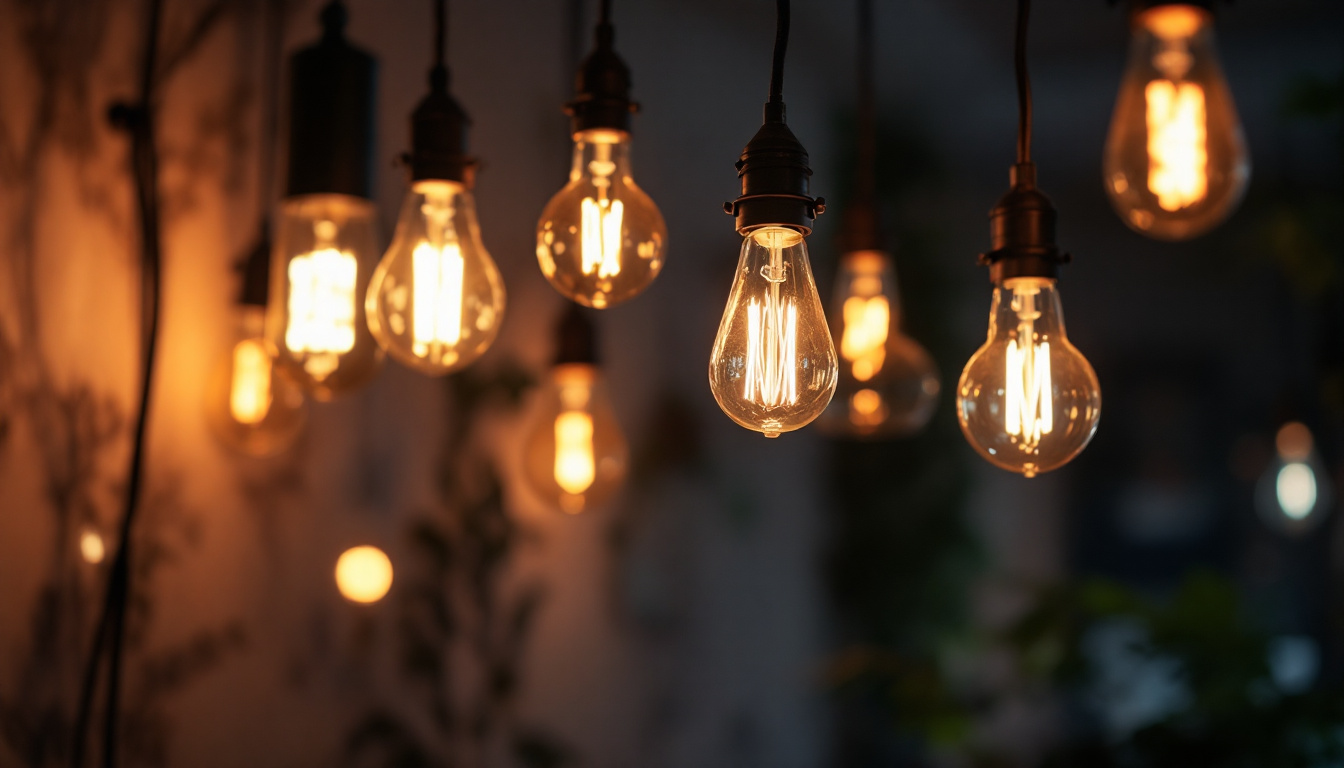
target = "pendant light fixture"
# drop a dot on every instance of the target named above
(326, 234)
(437, 299)
(773, 369)
(1028, 401)
(576, 454)
(1176, 164)
(888, 385)
(601, 240)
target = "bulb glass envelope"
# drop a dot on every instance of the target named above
(1294, 493)
(249, 406)
(575, 456)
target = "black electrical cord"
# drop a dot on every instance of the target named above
(865, 176)
(440, 33)
(605, 18)
(781, 45)
(137, 120)
(1023, 85)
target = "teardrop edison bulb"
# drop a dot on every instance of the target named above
(576, 455)
(250, 408)
(888, 384)
(1175, 163)
(325, 252)
(436, 300)
(601, 240)
(773, 369)
(1028, 401)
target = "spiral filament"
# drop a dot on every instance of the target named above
(250, 389)
(1178, 156)
(772, 331)
(602, 219)
(438, 267)
(1028, 408)
(322, 302)
(863, 344)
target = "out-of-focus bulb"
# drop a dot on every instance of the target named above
(1028, 401)
(1175, 162)
(363, 574)
(601, 240)
(324, 256)
(576, 455)
(251, 408)
(773, 369)
(888, 384)
(1294, 492)
(436, 300)
(91, 546)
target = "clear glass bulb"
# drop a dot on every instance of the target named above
(1175, 163)
(576, 455)
(325, 251)
(1028, 401)
(773, 369)
(888, 383)
(601, 240)
(436, 300)
(249, 407)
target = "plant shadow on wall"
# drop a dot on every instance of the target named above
(461, 627)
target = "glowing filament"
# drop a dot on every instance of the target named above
(772, 349)
(322, 297)
(864, 341)
(575, 467)
(437, 280)
(1178, 156)
(1029, 406)
(602, 236)
(1295, 488)
(250, 390)
(866, 408)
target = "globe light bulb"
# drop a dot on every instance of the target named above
(1028, 401)
(1294, 492)
(324, 255)
(1175, 162)
(888, 384)
(436, 300)
(363, 574)
(773, 369)
(601, 240)
(250, 407)
(576, 455)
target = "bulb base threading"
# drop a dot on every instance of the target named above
(775, 174)
(1022, 230)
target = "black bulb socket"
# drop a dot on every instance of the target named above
(439, 136)
(775, 173)
(1022, 230)
(575, 338)
(332, 90)
(1139, 6)
(602, 89)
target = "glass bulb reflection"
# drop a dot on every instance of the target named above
(1295, 491)
(888, 384)
(324, 255)
(1028, 401)
(576, 455)
(773, 369)
(1175, 161)
(601, 240)
(249, 407)
(436, 300)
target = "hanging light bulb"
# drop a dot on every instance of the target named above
(601, 240)
(773, 369)
(1176, 163)
(1294, 493)
(575, 455)
(1028, 401)
(326, 234)
(437, 299)
(888, 384)
(363, 574)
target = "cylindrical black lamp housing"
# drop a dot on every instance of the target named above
(774, 171)
(575, 338)
(1022, 230)
(602, 89)
(439, 136)
(331, 116)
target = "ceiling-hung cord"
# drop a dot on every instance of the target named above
(1023, 85)
(605, 19)
(438, 74)
(865, 176)
(781, 44)
(274, 23)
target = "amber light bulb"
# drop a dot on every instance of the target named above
(888, 384)
(250, 407)
(1175, 163)
(1028, 401)
(773, 369)
(437, 299)
(363, 574)
(576, 454)
(601, 239)
(324, 255)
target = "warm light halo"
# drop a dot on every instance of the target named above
(363, 574)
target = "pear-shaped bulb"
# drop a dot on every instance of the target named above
(1028, 401)
(436, 300)
(249, 406)
(773, 369)
(1175, 163)
(888, 384)
(325, 252)
(575, 455)
(601, 240)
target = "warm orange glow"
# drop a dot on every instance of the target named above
(250, 387)
(575, 468)
(863, 343)
(363, 574)
(1293, 441)
(866, 408)
(1028, 400)
(322, 302)
(1173, 21)
(91, 546)
(1178, 155)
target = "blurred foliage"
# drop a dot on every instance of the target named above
(461, 626)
